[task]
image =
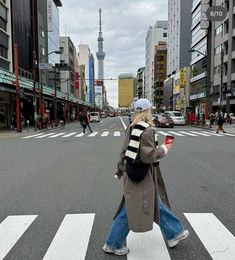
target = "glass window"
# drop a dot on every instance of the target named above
(218, 49)
(164, 34)
(219, 30)
(3, 52)
(3, 24)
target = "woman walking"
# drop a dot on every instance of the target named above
(145, 199)
(220, 123)
(86, 122)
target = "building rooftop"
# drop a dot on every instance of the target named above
(127, 76)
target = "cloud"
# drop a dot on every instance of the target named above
(124, 27)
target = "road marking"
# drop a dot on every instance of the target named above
(80, 135)
(11, 229)
(163, 133)
(105, 134)
(72, 238)
(42, 136)
(175, 133)
(68, 135)
(117, 133)
(217, 239)
(227, 134)
(53, 136)
(26, 137)
(124, 125)
(211, 133)
(93, 134)
(199, 133)
(147, 246)
(187, 133)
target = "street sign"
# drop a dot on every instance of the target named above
(45, 66)
(216, 13)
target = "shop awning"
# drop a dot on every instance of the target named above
(7, 89)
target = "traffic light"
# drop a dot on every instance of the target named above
(62, 66)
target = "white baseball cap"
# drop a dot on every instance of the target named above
(142, 105)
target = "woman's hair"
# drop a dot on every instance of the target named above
(146, 116)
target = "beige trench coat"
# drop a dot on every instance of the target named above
(141, 198)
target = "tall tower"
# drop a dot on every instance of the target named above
(100, 54)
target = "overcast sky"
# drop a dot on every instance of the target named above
(124, 27)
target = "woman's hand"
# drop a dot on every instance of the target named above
(169, 146)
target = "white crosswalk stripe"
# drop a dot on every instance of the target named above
(31, 136)
(68, 135)
(117, 133)
(72, 238)
(227, 134)
(46, 135)
(73, 235)
(217, 239)
(147, 246)
(211, 133)
(105, 134)
(199, 133)
(54, 136)
(93, 134)
(11, 229)
(175, 133)
(187, 133)
(162, 133)
(80, 135)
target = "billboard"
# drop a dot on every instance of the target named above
(98, 89)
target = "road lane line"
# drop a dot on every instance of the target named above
(149, 245)
(216, 238)
(53, 136)
(68, 135)
(117, 133)
(163, 133)
(42, 136)
(72, 238)
(105, 134)
(93, 134)
(211, 133)
(11, 229)
(124, 125)
(31, 136)
(187, 133)
(175, 133)
(199, 133)
(80, 135)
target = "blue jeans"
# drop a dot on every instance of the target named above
(170, 226)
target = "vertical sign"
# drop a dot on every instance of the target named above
(49, 16)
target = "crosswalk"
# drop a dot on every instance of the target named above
(73, 236)
(63, 135)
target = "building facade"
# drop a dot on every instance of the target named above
(179, 34)
(126, 89)
(160, 71)
(223, 60)
(155, 33)
(140, 83)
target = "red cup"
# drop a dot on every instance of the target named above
(169, 139)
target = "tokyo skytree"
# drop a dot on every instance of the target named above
(100, 53)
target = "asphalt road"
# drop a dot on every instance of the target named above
(51, 178)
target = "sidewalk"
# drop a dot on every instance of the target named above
(25, 130)
(227, 128)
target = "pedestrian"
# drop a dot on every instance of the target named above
(145, 199)
(86, 122)
(220, 123)
(212, 119)
(13, 121)
(81, 117)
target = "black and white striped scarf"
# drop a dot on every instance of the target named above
(134, 144)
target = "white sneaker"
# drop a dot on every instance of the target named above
(122, 251)
(174, 241)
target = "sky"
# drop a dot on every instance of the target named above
(124, 27)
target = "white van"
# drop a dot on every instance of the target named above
(176, 117)
(94, 117)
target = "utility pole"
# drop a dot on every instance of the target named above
(221, 79)
(34, 91)
(55, 95)
(16, 66)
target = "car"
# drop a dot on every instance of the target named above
(103, 115)
(163, 120)
(176, 117)
(94, 117)
(112, 114)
